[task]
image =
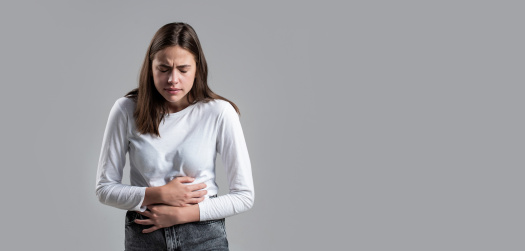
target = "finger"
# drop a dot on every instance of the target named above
(194, 201)
(145, 213)
(144, 222)
(196, 187)
(198, 194)
(151, 229)
(185, 179)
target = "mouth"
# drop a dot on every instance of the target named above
(172, 90)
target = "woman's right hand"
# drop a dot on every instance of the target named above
(176, 193)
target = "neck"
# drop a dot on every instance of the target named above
(178, 106)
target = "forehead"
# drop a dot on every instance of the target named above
(174, 55)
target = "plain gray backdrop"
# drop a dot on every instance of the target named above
(371, 125)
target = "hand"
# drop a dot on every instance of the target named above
(176, 193)
(161, 216)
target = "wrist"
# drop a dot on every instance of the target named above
(161, 195)
(153, 195)
(194, 214)
(187, 214)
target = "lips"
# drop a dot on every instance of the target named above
(172, 90)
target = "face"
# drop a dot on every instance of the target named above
(174, 71)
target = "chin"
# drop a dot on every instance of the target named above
(171, 100)
(174, 99)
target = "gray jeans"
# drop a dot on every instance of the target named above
(202, 235)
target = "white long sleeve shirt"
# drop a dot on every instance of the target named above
(188, 144)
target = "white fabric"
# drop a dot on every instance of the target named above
(189, 142)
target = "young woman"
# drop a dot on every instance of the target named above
(172, 126)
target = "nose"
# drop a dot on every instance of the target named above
(174, 77)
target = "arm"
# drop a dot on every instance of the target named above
(109, 189)
(234, 153)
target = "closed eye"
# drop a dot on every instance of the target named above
(183, 68)
(163, 68)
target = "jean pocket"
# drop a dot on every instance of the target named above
(130, 217)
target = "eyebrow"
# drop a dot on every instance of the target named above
(178, 66)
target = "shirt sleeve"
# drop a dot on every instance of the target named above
(231, 146)
(109, 189)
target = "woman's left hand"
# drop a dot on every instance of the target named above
(161, 216)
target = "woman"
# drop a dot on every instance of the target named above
(173, 126)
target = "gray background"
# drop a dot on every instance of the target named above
(371, 125)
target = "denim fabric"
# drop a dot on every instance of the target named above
(202, 235)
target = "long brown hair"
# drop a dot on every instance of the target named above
(151, 106)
